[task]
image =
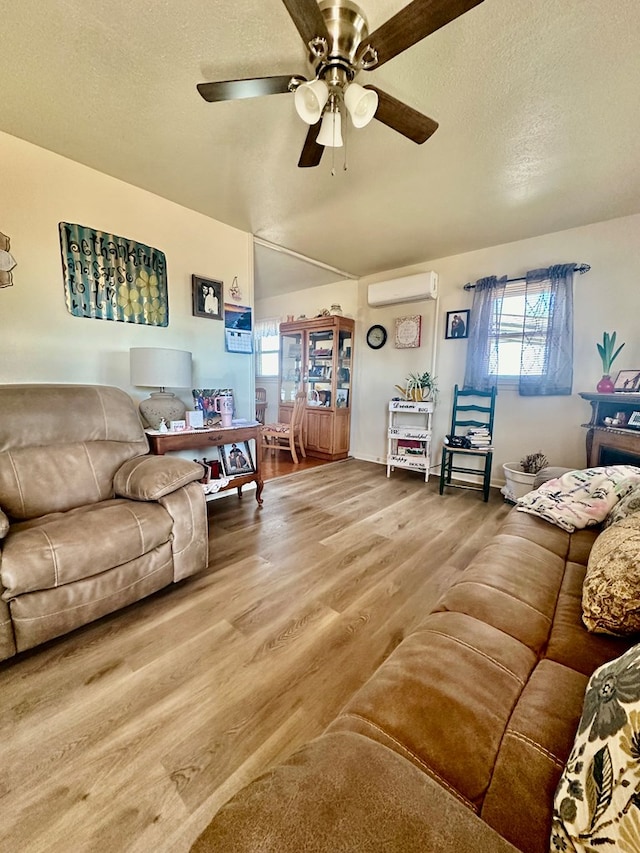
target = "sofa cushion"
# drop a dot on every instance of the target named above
(611, 592)
(148, 478)
(626, 506)
(443, 699)
(49, 553)
(595, 805)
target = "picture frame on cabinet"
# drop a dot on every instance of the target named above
(342, 398)
(627, 381)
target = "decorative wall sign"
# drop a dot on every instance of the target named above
(408, 330)
(7, 261)
(206, 295)
(457, 324)
(113, 278)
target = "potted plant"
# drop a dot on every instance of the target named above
(608, 354)
(419, 387)
(520, 476)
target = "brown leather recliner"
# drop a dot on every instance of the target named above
(89, 523)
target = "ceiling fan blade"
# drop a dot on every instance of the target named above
(403, 118)
(307, 17)
(311, 152)
(411, 24)
(252, 87)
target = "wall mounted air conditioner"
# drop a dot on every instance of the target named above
(409, 288)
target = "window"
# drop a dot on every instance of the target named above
(519, 331)
(267, 348)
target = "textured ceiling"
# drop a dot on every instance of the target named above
(538, 105)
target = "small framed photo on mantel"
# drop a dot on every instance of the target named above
(207, 298)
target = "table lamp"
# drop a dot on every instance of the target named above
(154, 367)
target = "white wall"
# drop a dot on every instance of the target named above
(606, 298)
(41, 342)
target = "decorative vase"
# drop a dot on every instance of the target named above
(605, 386)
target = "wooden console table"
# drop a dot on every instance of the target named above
(162, 442)
(606, 443)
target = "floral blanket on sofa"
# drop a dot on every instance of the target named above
(581, 499)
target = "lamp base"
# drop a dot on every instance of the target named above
(161, 404)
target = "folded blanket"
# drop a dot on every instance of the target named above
(581, 498)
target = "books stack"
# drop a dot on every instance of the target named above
(480, 438)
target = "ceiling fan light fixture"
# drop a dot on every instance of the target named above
(361, 103)
(310, 99)
(331, 130)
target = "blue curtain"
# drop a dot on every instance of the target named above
(482, 346)
(549, 318)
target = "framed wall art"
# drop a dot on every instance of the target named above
(206, 294)
(107, 277)
(457, 325)
(408, 332)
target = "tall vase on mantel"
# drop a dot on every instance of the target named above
(608, 353)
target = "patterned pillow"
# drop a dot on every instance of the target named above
(627, 506)
(611, 588)
(596, 805)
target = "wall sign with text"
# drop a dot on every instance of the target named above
(113, 278)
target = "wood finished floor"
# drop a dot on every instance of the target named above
(130, 733)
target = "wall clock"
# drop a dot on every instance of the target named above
(377, 337)
(408, 331)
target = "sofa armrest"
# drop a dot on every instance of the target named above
(4, 525)
(346, 792)
(148, 478)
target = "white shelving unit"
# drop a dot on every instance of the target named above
(409, 421)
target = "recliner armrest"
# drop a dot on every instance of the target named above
(147, 478)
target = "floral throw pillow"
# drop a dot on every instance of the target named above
(597, 802)
(629, 505)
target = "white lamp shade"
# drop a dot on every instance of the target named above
(362, 104)
(310, 99)
(331, 130)
(154, 367)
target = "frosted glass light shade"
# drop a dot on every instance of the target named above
(154, 367)
(361, 103)
(331, 130)
(310, 99)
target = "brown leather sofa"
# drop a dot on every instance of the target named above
(458, 740)
(88, 521)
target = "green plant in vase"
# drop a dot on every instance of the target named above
(419, 387)
(608, 354)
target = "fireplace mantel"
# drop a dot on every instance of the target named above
(607, 445)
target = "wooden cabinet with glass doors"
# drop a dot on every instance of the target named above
(316, 356)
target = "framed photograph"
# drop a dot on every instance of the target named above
(457, 324)
(206, 294)
(627, 380)
(236, 459)
(342, 398)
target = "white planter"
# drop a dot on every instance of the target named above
(518, 483)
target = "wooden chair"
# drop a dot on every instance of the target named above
(471, 408)
(282, 436)
(261, 404)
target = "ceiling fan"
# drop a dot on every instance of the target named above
(340, 47)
